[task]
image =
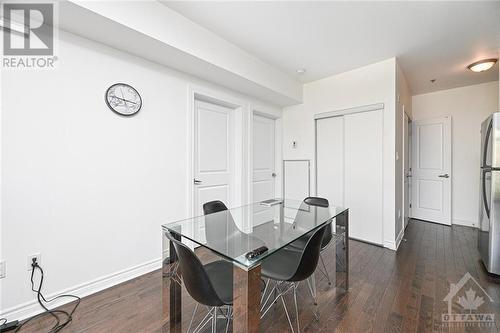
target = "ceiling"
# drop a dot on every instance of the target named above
(432, 40)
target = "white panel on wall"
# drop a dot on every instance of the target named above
(296, 179)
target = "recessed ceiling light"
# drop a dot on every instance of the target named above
(482, 65)
(300, 71)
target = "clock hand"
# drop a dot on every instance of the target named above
(123, 97)
(126, 100)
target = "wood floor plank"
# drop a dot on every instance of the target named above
(389, 291)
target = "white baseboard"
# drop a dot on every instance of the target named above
(31, 308)
(464, 222)
(400, 238)
(391, 245)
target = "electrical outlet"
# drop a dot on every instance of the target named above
(3, 269)
(37, 256)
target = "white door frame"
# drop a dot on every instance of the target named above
(237, 121)
(243, 142)
(448, 169)
(406, 166)
(277, 150)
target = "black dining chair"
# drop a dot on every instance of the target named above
(327, 238)
(210, 285)
(287, 268)
(218, 237)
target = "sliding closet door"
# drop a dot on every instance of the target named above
(363, 174)
(330, 159)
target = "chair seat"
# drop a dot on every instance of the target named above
(221, 275)
(282, 264)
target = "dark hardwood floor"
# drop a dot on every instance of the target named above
(389, 291)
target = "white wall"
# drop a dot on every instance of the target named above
(468, 107)
(84, 187)
(371, 84)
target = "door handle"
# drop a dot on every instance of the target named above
(196, 181)
(444, 176)
(273, 174)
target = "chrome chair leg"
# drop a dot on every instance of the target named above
(204, 321)
(229, 315)
(214, 321)
(311, 283)
(286, 312)
(296, 307)
(325, 273)
(265, 289)
(192, 318)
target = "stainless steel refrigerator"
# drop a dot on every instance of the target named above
(489, 210)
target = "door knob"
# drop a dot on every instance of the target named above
(273, 174)
(444, 176)
(196, 181)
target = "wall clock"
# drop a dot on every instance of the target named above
(123, 99)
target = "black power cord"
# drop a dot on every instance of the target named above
(67, 317)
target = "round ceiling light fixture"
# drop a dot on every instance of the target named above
(482, 65)
(300, 71)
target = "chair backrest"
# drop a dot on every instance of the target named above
(215, 234)
(321, 202)
(310, 256)
(316, 201)
(193, 274)
(213, 207)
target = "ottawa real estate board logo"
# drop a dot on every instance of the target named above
(467, 305)
(28, 35)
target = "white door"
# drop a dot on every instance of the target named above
(264, 173)
(330, 159)
(406, 168)
(213, 155)
(431, 171)
(363, 175)
(349, 151)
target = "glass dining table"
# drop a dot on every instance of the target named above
(234, 235)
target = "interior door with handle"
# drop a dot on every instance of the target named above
(264, 174)
(213, 155)
(431, 171)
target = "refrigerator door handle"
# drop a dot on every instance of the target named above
(485, 199)
(486, 144)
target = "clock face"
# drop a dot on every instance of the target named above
(123, 99)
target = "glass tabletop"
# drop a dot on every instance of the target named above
(236, 232)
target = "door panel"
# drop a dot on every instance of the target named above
(212, 155)
(330, 159)
(431, 170)
(263, 165)
(363, 175)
